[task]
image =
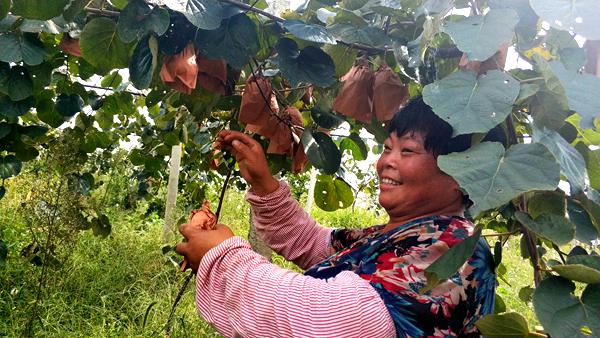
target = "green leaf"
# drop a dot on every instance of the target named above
(470, 104)
(3, 248)
(321, 151)
(356, 145)
(309, 32)
(143, 62)
(578, 272)
(572, 58)
(492, 177)
(449, 262)
(86, 182)
(590, 261)
(369, 35)
(69, 104)
(570, 160)
(236, 41)
(342, 56)
(480, 37)
(591, 296)
(560, 312)
(101, 47)
(326, 120)
(204, 14)
(5, 129)
(585, 231)
(101, 226)
(332, 193)
(581, 92)
(46, 112)
(552, 227)
(38, 9)
(509, 324)
(309, 65)
(138, 19)
(95, 139)
(527, 90)
(4, 7)
(11, 108)
(593, 168)
(112, 80)
(15, 47)
(9, 166)
(546, 202)
(570, 15)
(16, 83)
(74, 8)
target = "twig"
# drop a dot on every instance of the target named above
(112, 89)
(102, 12)
(500, 234)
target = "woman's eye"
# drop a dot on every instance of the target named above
(407, 150)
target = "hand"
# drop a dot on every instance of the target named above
(251, 160)
(199, 242)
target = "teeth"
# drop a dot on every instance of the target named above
(389, 181)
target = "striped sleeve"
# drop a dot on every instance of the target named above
(241, 294)
(288, 229)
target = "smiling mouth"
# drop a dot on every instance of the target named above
(389, 181)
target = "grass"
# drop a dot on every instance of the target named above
(109, 287)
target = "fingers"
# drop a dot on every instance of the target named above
(182, 249)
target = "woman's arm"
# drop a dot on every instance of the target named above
(241, 293)
(288, 229)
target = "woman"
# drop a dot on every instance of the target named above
(359, 283)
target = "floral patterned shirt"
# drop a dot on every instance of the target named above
(394, 262)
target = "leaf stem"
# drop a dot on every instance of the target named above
(102, 12)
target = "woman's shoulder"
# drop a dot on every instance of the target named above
(344, 237)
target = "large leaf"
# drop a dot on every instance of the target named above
(581, 268)
(448, 264)
(571, 161)
(9, 166)
(11, 108)
(371, 36)
(356, 145)
(236, 41)
(16, 47)
(480, 37)
(16, 83)
(69, 104)
(204, 14)
(4, 7)
(332, 193)
(580, 16)
(138, 19)
(503, 325)
(585, 231)
(552, 227)
(101, 226)
(593, 168)
(470, 104)
(321, 151)
(309, 32)
(492, 177)
(581, 91)
(326, 120)
(309, 65)
(38, 9)
(100, 45)
(342, 56)
(561, 313)
(143, 62)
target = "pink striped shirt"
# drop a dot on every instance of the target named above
(241, 294)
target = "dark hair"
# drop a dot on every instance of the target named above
(417, 116)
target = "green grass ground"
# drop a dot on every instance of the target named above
(109, 287)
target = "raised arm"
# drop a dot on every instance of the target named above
(279, 221)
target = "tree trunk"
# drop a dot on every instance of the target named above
(172, 193)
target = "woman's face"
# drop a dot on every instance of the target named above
(411, 184)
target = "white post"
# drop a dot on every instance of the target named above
(310, 198)
(168, 229)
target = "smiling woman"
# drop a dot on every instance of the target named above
(368, 282)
